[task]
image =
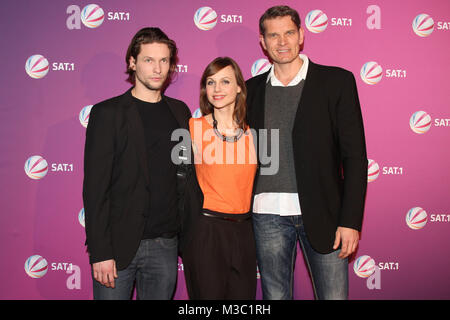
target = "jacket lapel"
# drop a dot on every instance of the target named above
(257, 113)
(181, 119)
(308, 94)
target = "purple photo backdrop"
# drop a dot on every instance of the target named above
(87, 65)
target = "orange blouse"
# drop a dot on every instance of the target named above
(225, 170)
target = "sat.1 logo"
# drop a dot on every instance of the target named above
(37, 66)
(423, 25)
(316, 21)
(205, 18)
(36, 167)
(92, 16)
(420, 122)
(371, 72)
(260, 66)
(36, 266)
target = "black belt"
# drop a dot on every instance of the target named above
(226, 218)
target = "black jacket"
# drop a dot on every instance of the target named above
(116, 178)
(329, 150)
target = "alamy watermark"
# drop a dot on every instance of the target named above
(214, 152)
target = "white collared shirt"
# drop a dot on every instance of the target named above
(301, 75)
(281, 203)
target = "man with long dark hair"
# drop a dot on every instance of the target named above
(317, 196)
(129, 189)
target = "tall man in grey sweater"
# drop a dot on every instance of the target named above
(317, 195)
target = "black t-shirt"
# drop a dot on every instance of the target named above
(159, 123)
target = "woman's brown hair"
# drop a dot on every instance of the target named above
(240, 108)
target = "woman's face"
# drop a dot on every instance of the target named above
(222, 88)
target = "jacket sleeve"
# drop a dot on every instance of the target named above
(98, 164)
(353, 154)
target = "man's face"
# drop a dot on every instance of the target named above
(152, 65)
(282, 39)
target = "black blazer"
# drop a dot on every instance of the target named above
(329, 151)
(116, 178)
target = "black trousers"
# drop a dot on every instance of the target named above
(220, 261)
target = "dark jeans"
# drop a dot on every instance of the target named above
(154, 268)
(276, 247)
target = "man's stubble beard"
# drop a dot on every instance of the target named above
(150, 87)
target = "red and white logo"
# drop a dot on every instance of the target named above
(364, 266)
(197, 113)
(81, 218)
(84, 115)
(92, 16)
(420, 122)
(36, 266)
(316, 21)
(373, 170)
(416, 218)
(36, 167)
(260, 66)
(205, 18)
(423, 25)
(371, 72)
(37, 66)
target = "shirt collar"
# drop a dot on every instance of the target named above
(301, 75)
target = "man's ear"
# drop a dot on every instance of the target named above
(263, 43)
(302, 36)
(132, 63)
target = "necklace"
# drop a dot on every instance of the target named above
(225, 138)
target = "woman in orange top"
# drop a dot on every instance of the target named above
(220, 260)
